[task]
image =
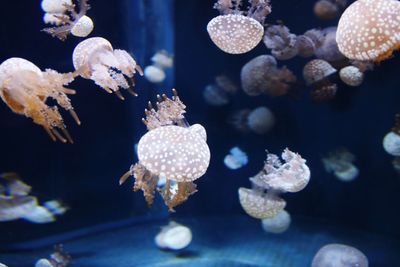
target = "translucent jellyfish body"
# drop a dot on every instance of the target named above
(262, 76)
(282, 43)
(111, 69)
(170, 150)
(277, 224)
(2, 265)
(369, 30)
(259, 120)
(236, 159)
(326, 9)
(351, 75)
(25, 89)
(236, 31)
(161, 61)
(391, 141)
(340, 163)
(59, 258)
(62, 13)
(173, 236)
(217, 94)
(327, 49)
(339, 255)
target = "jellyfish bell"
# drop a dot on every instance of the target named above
(154, 74)
(111, 69)
(326, 9)
(391, 143)
(163, 59)
(173, 236)
(317, 70)
(328, 49)
(351, 75)
(278, 224)
(281, 42)
(339, 255)
(305, 46)
(2, 265)
(83, 27)
(261, 120)
(55, 6)
(369, 30)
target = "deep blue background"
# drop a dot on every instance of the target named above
(85, 175)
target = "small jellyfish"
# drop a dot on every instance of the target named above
(62, 13)
(217, 94)
(173, 236)
(351, 75)
(339, 255)
(326, 9)
(324, 92)
(154, 74)
(369, 30)
(277, 224)
(260, 120)
(305, 46)
(170, 149)
(59, 258)
(317, 70)
(111, 69)
(328, 49)
(396, 164)
(282, 43)
(236, 31)
(262, 76)
(340, 163)
(236, 159)
(161, 61)
(25, 89)
(391, 141)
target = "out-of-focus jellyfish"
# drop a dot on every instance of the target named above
(339, 255)
(324, 92)
(326, 9)
(340, 163)
(262, 76)
(155, 73)
(277, 224)
(260, 120)
(62, 13)
(173, 236)
(163, 59)
(170, 149)
(391, 141)
(238, 31)
(262, 201)
(59, 258)
(396, 164)
(316, 73)
(281, 42)
(236, 158)
(369, 30)
(25, 89)
(305, 46)
(328, 49)
(217, 94)
(351, 75)
(111, 69)
(2, 265)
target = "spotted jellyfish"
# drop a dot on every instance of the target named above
(391, 141)
(339, 255)
(173, 236)
(278, 224)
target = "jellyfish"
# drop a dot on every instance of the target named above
(2, 265)
(25, 89)
(328, 49)
(277, 224)
(326, 9)
(237, 31)
(111, 69)
(305, 46)
(62, 13)
(259, 120)
(316, 73)
(369, 30)
(170, 149)
(59, 258)
(161, 61)
(236, 158)
(281, 42)
(173, 236)
(339, 255)
(391, 141)
(154, 74)
(262, 76)
(217, 94)
(340, 163)
(351, 75)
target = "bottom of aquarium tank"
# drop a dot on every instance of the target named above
(217, 241)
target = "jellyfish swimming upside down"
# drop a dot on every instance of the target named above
(25, 89)
(171, 150)
(236, 31)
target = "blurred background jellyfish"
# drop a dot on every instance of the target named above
(2, 265)
(111, 69)
(170, 149)
(173, 236)
(278, 224)
(340, 163)
(62, 13)
(25, 89)
(217, 94)
(292, 175)
(259, 120)
(391, 141)
(59, 258)
(328, 49)
(351, 75)
(369, 30)
(329, 9)
(236, 158)
(162, 61)
(262, 76)
(238, 31)
(339, 255)
(281, 42)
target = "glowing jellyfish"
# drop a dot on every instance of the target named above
(369, 30)
(173, 236)
(59, 258)
(351, 75)
(25, 89)
(328, 49)
(262, 76)
(324, 92)
(340, 163)
(236, 31)
(172, 150)
(277, 224)
(217, 94)
(236, 158)
(339, 255)
(317, 70)
(111, 69)
(63, 14)
(281, 42)
(154, 74)
(161, 61)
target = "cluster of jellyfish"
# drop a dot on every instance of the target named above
(263, 200)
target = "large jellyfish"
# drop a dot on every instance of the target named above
(25, 89)
(369, 30)
(111, 69)
(236, 31)
(262, 76)
(339, 255)
(351, 75)
(316, 73)
(171, 150)
(236, 158)
(262, 201)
